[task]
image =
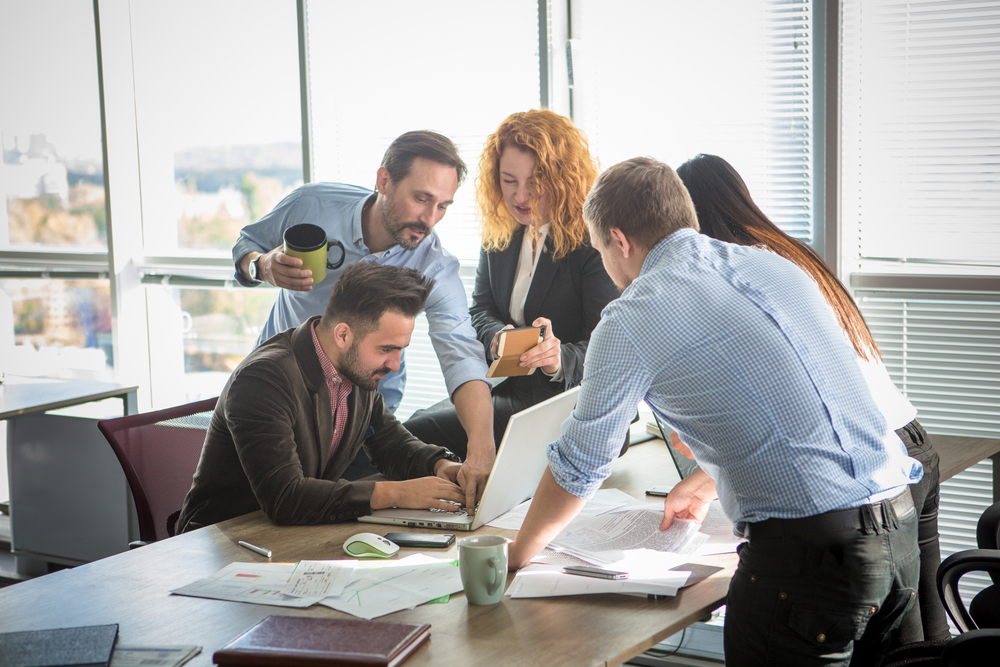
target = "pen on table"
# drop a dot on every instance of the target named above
(263, 552)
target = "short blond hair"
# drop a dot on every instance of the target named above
(643, 198)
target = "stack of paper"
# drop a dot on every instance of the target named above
(628, 539)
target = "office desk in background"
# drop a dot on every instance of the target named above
(69, 501)
(959, 453)
(132, 589)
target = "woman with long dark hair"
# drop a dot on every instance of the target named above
(728, 213)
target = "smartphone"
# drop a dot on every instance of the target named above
(661, 491)
(422, 540)
(600, 573)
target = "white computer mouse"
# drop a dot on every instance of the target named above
(370, 545)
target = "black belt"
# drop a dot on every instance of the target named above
(853, 518)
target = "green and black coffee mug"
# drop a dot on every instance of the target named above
(309, 243)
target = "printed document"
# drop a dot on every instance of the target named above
(381, 588)
(632, 529)
(313, 578)
(605, 500)
(257, 583)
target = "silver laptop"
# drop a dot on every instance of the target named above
(518, 469)
(685, 466)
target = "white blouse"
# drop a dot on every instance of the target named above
(525, 272)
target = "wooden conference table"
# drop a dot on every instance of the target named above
(132, 589)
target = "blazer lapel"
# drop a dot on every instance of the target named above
(545, 271)
(504, 271)
(324, 426)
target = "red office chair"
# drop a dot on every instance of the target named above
(159, 452)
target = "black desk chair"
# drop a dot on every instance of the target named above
(159, 453)
(979, 642)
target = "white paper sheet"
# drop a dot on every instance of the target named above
(632, 529)
(377, 589)
(606, 500)
(319, 578)
(257, 583)
(147, 656)
(539, 580)
(719, 529)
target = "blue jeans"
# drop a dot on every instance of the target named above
(831, 597)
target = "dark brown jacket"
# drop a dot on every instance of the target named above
(268, 444)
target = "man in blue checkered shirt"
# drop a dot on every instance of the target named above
(736, 350)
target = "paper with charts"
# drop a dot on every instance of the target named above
(381, 588)
(257, 583)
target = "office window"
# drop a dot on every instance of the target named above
(920, 185)
(674, 79)
(199, 336)
(56, 327)
(217, 112)
(920, 178)
(52, 169)
(378, 70)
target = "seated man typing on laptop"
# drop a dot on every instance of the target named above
(297, 410)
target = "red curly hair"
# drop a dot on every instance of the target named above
(564, 170)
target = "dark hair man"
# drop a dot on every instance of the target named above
(735, 349)
(392, 226)
(298, 409)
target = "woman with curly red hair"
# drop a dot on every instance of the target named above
(536, 267)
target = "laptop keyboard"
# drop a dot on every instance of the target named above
(459, 509)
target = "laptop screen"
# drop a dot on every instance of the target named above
(685, 466)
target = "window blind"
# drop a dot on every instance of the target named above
(921, 142)
(674, 79)
(919, 193)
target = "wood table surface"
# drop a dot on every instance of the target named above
(959, 453)
(132, 589)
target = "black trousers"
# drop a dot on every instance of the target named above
(823, 592)
(926, 620)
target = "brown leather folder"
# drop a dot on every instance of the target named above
(304, 641)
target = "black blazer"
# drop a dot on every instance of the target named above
(571, 292)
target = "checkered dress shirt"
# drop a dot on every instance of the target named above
(340, 389)
(735, 349)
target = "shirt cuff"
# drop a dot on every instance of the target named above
(558, 376)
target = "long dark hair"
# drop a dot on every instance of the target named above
(728, 213)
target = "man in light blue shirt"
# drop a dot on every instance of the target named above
(735, 349)
(394, 226)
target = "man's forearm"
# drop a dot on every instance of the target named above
(474, 407)
(551, 510)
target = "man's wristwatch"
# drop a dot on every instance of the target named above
(252, 269)
(451, 456)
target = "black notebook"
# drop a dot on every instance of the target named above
(87, 646)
